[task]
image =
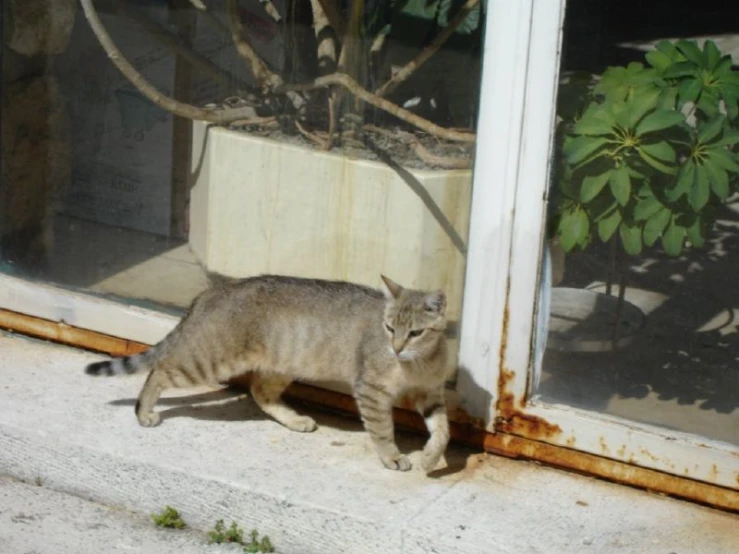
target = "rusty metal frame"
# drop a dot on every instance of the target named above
(464, 430)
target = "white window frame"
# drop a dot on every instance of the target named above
(515, 127)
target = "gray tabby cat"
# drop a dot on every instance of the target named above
(284, 328)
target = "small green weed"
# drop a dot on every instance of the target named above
(220, 534)
(235, 534)
(258, 545)
(169, 518)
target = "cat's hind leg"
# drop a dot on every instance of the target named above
(148, 397)
(267, 390)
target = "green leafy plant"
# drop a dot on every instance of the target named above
(221, 534)
(234, 534)
(258, 545)
(169, 518)
(649, 152)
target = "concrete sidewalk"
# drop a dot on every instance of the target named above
(216, 457)
(38, 520)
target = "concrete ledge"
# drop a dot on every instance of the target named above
(37, 520)
(216, 457)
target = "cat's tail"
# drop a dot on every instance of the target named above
(121, 366)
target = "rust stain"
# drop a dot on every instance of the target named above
(582, 503)
(462, 431)
(621, 452)
(529, 426)
(649, 455)
(570, 442)
(604, 446)
(614, 470)
(504, 333)
(713, 474)
(509, 410)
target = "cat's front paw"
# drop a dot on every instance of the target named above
(430, 459)
(398, 462)
(302, 424)
(152, 419)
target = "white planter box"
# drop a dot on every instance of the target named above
(262, 206)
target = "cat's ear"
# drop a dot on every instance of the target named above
(391, 289)
(435, 302)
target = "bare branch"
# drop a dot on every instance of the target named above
(322, 144)
(351, 85)
(334, 18)
(271, 10)
(327, 44)
(167, 39)
(165, 102)
(266, 80)
(408, 69)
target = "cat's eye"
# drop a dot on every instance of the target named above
(389, 329)
(416, 333)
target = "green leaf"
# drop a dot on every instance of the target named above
(689, 49)
(581, 147)
(683, 183)
(655, 225)
(730, 138)
(658, 120)
(701, 190)
(620, 185)
(658, 60)
(672, 240)
(679, 69)
(607, 226)
(708, 103)
(596, 120)
(591, 186)
(668, 47)
(711, 128)
(723, 158)
(654, 162)
(711, 54)
(718, 178)
(660, 150)
(689, 90)
(695, 234)
(573, 228)
(668, 99)
(630, 238)
(646, 208)
(723, 66)
(640, 104)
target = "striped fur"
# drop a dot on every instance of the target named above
(282, 329)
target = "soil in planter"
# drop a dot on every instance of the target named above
(394, 142)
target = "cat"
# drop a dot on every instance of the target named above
(383, 343)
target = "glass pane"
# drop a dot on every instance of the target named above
(104, 191)
(641, 261)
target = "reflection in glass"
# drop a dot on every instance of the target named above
(102, 190)
(644, 220)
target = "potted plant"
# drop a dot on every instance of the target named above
(263, 205)
(648, 152)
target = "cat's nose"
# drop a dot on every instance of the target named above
(398, 346)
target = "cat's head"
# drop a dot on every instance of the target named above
(414, 320)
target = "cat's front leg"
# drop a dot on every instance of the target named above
(375, 405)
(433, 410)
